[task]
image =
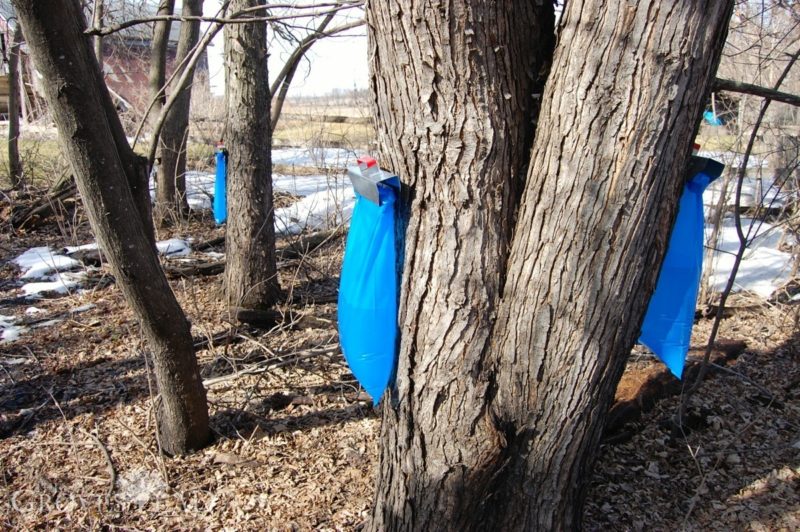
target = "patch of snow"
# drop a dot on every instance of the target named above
(82, 308)
(199, 190)
(8, 331)
(85, 247)
(174, 247)
(763, 268)
(771, 195)
(38, 262)
(32, 311)
(325, 209)
(60, 284)
(215, 255)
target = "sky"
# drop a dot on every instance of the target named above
(338, 62)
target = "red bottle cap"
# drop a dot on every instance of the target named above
(366, 161)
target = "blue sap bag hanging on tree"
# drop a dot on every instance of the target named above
(667, 327)
(220, 186)
(368, 285)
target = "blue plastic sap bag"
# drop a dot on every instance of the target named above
(220, 190)
(667, 327)
(368, 292)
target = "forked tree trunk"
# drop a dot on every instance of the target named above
(250, 271)
(171, 186)
(77, 101)
(14, 162)
(158, 57)
(508, 363)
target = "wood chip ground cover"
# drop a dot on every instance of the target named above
(296, 442)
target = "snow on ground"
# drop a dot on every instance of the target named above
(753, 189)
(327, 202)
(69, 250)
(320, 209)
(327, 199)
(757, 182)
(174, 247)
(764, 268)
(199, 190)
(42, 261)
(49, 272)
(8, 330)
(61, 283)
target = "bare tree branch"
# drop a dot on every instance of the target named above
(729, 85)
(238, 17)
(280, 86)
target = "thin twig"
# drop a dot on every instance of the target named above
(109, 464)
(261, 367)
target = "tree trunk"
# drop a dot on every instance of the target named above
(97, 41)
(77, 101)
(14, 163)
(171, 187)
(454, 90)
(508, 363)
(158, 56)
(250, 272)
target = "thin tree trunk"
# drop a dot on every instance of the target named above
(158, 56)
(78, 100)
(171, 187)
(97, 22)
(503, 385)
(250, 272)
(14, 163)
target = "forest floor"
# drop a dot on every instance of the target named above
(295, 440)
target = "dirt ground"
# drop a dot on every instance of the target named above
(295, 439)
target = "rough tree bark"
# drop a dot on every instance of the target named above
(171, 186)
(158, 56)
(508, 362)
(250, 271)
(454, 93)
(14, 162)
(77, 101)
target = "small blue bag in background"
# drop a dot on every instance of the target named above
(220, 188)
(667, 326)
(368, 291)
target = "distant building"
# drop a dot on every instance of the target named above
(126, 57)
